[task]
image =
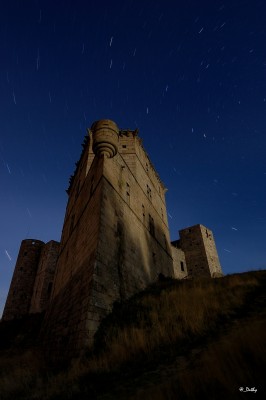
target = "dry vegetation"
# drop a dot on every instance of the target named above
(176, 340)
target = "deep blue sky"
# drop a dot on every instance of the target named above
(191, 75)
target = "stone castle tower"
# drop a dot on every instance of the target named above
(32, 280)
(115, 241)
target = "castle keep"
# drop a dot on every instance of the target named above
(115, 241)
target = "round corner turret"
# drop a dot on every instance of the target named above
(105, 135)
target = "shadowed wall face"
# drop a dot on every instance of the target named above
(115, 239)
(179, 262)
(21, 288)
(65, 321)
(44, 277)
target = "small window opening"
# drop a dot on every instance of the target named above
(72, 222)
(151, 225)
(149, 192)
(165, 241)
(49, 289)
(124, 146)
(78, 189)
(92, 185)
(143, 213)
(128, 192)
(182, 266)
(119, 229)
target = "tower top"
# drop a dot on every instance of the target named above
(105, 138)
(104, 123)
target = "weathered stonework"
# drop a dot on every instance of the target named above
(115, 241)
(32, 279)
(179, 261)
(198, 244)
(44, 277)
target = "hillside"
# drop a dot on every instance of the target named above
(175, 340)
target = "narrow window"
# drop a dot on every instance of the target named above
(124, 146)
(49, 289)
(143, 213)
(72, 222)
(151, 226)
(165, 241)
(92, 185)
(119, 229)
(149, 192)
(78, 189)
(147, 167)
(127, 193)
(182, 266)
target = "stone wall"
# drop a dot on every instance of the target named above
(44, 277)
(21, 289)
(211, 252)
(198, 244)
(179, 263)
(66, 317)
(115, 241)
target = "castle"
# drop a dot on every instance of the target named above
(115, 242)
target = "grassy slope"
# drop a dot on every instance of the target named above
(176, 340)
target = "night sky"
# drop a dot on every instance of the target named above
(190, 74)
